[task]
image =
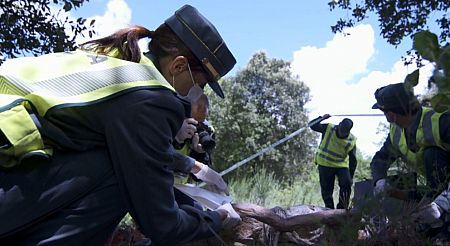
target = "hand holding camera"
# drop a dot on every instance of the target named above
(195, 144)
(187, 130)
(197, 134)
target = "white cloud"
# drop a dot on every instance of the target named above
(116, 16)
(330, 73)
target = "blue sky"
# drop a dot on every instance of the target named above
(341, 71)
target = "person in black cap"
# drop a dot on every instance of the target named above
(336, 145)
(421, 137)
(113, 115)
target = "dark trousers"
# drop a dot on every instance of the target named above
(327, 176)
(437, 162)
(73, 200)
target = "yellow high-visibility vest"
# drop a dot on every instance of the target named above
(427, 135)
(55, 81)
(333, 151)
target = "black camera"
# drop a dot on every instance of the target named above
(205, 137)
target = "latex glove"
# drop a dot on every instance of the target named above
(211, 177)
(195, 145)
(232, 218)
(381, 187)
(187, 130)
(429, 215)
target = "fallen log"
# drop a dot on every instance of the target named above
(297, 225)
(294, 217)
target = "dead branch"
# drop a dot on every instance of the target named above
(317, 218)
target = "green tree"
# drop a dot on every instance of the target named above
(402, 18)
(264, 103)
(32, 27)
(397, 18)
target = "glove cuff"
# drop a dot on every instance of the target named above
(201, 174)
(178, 140)
(437, 208)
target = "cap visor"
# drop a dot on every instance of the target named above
(216, 88)
(376, 106)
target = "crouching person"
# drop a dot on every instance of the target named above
(106, 116)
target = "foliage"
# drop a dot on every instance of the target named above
(427, 46)
(264, 103)
(126, 222)
(402, 18)
(34, 27)
(363, 169)
(263, 189)
(255, 189)
(397, 18)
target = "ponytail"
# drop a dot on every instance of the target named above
(125, 41)
(164, 43)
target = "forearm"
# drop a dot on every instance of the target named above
(444, 129)
(315, 124)
(383, 159)
(182, 163)
(353, 162)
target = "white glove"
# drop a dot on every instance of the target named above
(211, 177)
(195, 146)
(381, 187)
(429, 215)
(187, 130)
(232, 218)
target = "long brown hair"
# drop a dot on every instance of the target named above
(164, 43)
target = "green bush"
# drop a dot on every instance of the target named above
(265, 190)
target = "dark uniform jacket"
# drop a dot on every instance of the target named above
(132, 138)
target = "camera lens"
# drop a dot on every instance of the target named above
(206, 141)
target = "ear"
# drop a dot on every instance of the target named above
(178, 65)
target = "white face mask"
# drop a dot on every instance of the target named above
(195, 92)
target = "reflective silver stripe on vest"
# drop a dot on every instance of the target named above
(331, 159)
(325, 149)
(327, 141)
(427, 128)
(350, 140)
(64, 86)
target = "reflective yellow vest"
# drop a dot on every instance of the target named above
(427, 135)
(333, 151)
(55, 81)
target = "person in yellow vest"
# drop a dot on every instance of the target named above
(421, 137)
(196, 136)
(336, 156)
(108, 113)
(196, 139)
